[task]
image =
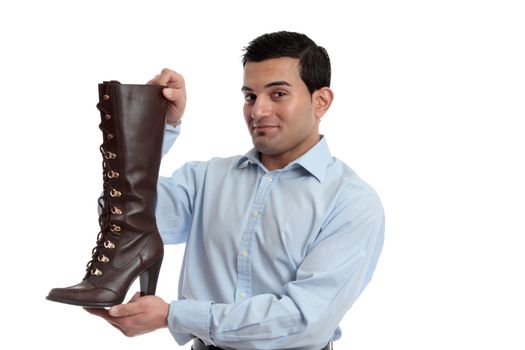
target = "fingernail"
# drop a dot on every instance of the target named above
(114, 311)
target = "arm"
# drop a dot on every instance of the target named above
(307, 311)
(335, 271)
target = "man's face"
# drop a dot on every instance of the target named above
(278, 110)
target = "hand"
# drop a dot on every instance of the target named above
(140, 315)
(175, 93)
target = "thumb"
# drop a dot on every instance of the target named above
(168, 93)
(124, 310)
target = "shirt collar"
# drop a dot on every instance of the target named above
(315, 160)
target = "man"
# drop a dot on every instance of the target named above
(279, 242)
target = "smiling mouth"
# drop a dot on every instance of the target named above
(263, 126)
(262, 130)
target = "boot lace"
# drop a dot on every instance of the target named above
(109, 231)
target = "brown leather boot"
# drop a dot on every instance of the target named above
(128, 244)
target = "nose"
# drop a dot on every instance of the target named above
(261, 108)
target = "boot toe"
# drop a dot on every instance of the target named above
(85, 294)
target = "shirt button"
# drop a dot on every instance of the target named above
(244, 253)
(242, 295)
(255, 214)
(269, 178)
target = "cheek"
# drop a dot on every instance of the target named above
(298, 115)
(247, 112)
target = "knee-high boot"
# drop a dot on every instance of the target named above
(128, 244)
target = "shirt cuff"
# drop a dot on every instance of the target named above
(188, 319)
(170, 135)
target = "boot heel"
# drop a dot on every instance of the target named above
(148, 279)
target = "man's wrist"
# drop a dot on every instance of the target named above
(174, 124)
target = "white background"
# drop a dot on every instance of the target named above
(429, 109)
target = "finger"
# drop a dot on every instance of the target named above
(116, 322)
(169, 94)
(176, 81)
(167, 76)
(135, 297)
(117, 326)
(171, 78)
(174, 95)
(124, 310)
(103, 313)
(153, 81)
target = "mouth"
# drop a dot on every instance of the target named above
(263, 127)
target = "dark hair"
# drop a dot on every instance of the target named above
(314, 63)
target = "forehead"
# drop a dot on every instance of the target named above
(274, 69)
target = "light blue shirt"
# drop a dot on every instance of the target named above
(273, 259)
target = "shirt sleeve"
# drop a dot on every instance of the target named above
(176, 200)
(332, 275)
(174, 194)
(170, 135)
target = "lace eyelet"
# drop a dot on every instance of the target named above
(110, 155)
(96, 272)
(116, 211)
(113, 174)
(114, 193)
(115, 228)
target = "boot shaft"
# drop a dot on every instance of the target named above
(128, 244)
(132, 121)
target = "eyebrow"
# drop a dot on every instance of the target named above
(273, 83)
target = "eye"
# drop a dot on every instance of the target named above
(279, 94)
(249, 98)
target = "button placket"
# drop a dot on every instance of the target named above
(244, 276)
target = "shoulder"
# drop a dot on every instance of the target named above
(353, 193)
(216, 165)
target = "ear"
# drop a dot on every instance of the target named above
(322, 99)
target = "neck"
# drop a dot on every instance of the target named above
(274, 162)
(280, 160)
